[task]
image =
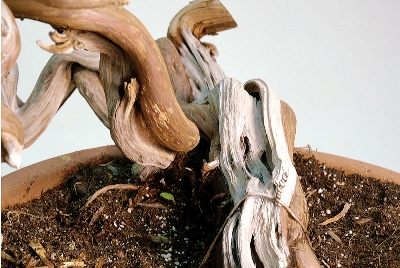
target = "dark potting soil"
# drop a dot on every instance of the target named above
(145, 228)
(368, 235)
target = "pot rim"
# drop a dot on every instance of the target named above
(30, 182)
(35, 179)
(351, 166)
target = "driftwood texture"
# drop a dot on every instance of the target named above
(156, 97)
(12, 137)
(10, 40)
(159, 120)
(252, 135)
(12, 133)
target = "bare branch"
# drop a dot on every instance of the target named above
(10, 40)
(171, 128)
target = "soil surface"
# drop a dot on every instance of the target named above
(174, 215)
(368, 235)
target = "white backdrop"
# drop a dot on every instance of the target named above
(336, 63)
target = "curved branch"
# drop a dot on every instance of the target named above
(73, 4)
(199, 114)
(202, 17)
(12, 137)
(186, 28)
(89, 85)
(176, 70)
(10, 40)
(50, 92)
(158, 105)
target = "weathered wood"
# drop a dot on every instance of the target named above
(197, 19)
(10, 40)
(143, 92)
(159, 108)
(256, 136)
(176, 70)
(51, 90)
(199, 113)
(89, 85)
(12, 137)
(201, 17)
(9, 89)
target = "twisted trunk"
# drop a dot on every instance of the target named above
(146, 92)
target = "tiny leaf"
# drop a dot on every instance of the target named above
(167, 196)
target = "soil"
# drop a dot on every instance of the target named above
(145, 228)
(369, 233)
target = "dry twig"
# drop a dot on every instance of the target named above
(72, 264)
(6, 256)
(335, 237)
(152, 205)
(338, 216)
(41, 252)
(111, 187)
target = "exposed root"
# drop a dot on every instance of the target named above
(110, 187)
(17, 213)
(338, 216)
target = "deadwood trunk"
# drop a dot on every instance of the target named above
(156, 96)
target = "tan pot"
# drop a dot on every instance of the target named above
(351, 166)
(30, 182)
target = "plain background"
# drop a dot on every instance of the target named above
(336, 63)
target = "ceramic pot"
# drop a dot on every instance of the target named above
(30, 182)
(351, 166)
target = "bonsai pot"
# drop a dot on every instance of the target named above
(351, 166)
(30, 182)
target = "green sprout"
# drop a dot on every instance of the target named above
(168, 196)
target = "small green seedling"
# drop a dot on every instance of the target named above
(168, 196)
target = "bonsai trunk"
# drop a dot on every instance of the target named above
(145, 93)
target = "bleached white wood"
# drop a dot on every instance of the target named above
(243, 144)
(203, 71)
(284, 173)
(253, 156)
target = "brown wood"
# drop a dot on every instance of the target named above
(146, 92)
(10, 40)
(12, 137)
(157, 100)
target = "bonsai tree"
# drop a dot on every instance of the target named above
(158, 97)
